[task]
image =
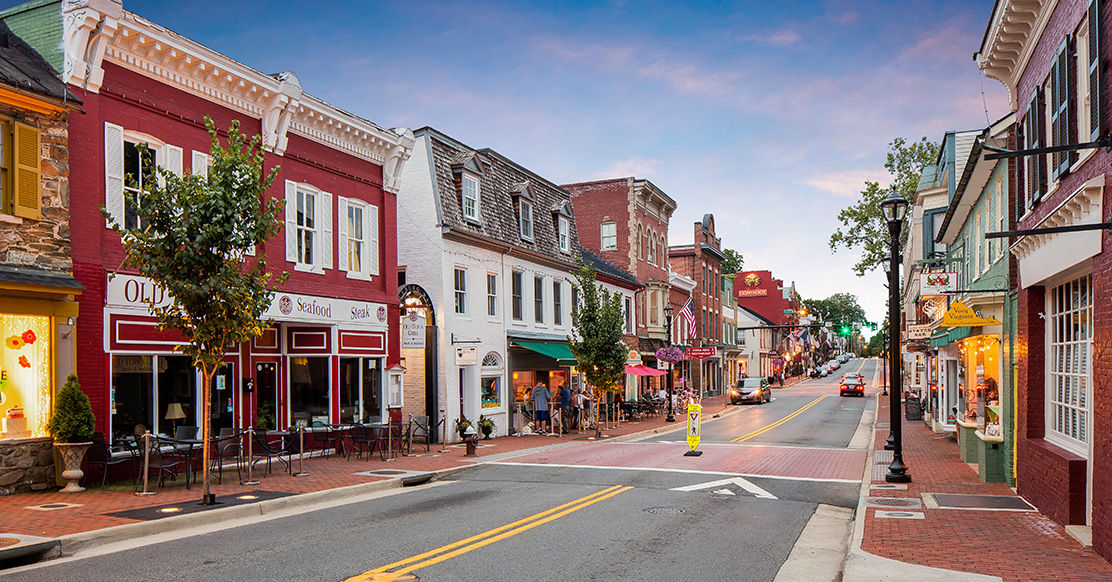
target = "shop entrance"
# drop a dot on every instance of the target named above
(266, 395)
(222, 390)
(360, 390)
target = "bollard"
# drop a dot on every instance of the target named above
(444, 438)
(301, 472)
(146, 463)
(250, 453)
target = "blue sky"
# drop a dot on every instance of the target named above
(770, 115)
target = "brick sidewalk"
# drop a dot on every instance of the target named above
(94, 505)
(1008, 544)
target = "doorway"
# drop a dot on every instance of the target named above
(266, 395)
(222, 406)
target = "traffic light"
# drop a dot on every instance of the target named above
(845, 330)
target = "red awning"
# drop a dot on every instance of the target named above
(643, 370)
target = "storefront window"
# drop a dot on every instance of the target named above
(308, 390)
(24, 375)
(360, 390)
(141, 399)
(177, 384)
(491, 385)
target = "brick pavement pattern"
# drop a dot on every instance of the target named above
(1026, 546)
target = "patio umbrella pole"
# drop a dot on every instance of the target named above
(250, 455)
(146, 463)
(301, 456)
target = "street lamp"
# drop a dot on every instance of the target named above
(668, 317)
(894, 207)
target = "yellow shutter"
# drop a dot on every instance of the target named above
(26, 157)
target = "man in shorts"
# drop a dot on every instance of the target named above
(540, 397)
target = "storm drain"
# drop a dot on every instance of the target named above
(969, 501)
(902, 502)
(901, 486)
(53, 506)
(664, 510)
(900, 514)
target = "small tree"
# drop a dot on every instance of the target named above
(599, 323)
(72, 420)
(194, 233)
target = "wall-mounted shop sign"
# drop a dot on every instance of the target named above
(752, 292)
(467, 356)
(700, 353)
(918, 332)
(134, 291)
(945, 283)
(413, 330)
(961, 316)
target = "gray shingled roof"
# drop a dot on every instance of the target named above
(29, 275)
(604, 267)
(25, 69)
(502, 179)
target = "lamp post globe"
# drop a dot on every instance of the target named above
(894, 208)
(668, 317)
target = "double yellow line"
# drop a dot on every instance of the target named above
(404, 567)
(765, 429)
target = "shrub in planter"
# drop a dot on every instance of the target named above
(72, 420)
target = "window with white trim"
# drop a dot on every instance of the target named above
(492, 294)
(470, 197)
(518, 301)
(460, 286)
(557, 303)
(1069, 378)
(309, 228)
(609, 235)
(526, 219)
(306, 226)
(358, 238)
(138, 168)
(628, 313)
(563, 233)
(538, 299)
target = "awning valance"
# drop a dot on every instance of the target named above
(643, 370)
(557, 351)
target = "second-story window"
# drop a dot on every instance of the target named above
(628, 316)
(138, 168)
(357, 250)
(538, 299)
(526, 220)
(306, 226)
(563, 233)
(470, 198)
(518, 300)
(461, 290)
(609, 235)
(557, 303)
(492, 294)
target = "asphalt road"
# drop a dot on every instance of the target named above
(519, 522)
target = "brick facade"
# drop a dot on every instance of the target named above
(702, 262)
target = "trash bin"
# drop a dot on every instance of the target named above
(913, 407)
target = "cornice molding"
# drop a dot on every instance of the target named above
(99, 30)
(1011, 38)
(1084, 206)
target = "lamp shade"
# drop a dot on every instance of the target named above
(174, 411)
(894, 207)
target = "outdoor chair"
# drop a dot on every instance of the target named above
(185, 433)
(419, 429)
(227, 447)
(362, 439)
(263, 450)
(100, 454)
(162, 459)
(391, 438)
(325, 437)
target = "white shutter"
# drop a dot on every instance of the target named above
(342, 237)
(114, 172)
(326, 230)
(172, 161)
(291, 221)
(370, 230)
(200, 164)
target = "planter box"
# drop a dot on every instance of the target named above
(26, 465)
(990, 458)
(967, 441)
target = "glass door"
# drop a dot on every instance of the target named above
(222, 391)
(351, 390)
(266, 395)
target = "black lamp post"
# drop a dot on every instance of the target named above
(668, 317)
(894, 208)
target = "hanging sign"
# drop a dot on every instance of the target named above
(467, 356)
(694, 422)
(961, 316)
(945, 283)
(413, 331)
(700, 353)
(633, 358)
(919, 332)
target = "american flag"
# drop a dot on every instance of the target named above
(689, 315)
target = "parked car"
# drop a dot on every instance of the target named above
(851, 386)
(751, 390)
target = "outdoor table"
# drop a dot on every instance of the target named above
(187, 447)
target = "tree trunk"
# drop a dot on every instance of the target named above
(206, 428)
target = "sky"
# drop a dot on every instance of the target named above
(769, 115)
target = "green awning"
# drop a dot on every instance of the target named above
(945, 338)
(560, 352)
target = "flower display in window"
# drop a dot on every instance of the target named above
(14, 342)
(29, 336)
(23, 362)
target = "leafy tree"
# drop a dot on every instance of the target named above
(862, 225)
(839, 309)
(598, 323)
(195, 233)
(734, 262)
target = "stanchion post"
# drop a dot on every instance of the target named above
(146, 463)
(301, 453)
(250, 455)
(444, 438)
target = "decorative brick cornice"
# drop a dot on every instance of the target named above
(99, 30)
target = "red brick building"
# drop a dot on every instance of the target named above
(336, 318)
(702, 262)
(765, 295)
(1053, 58)
(625, 222)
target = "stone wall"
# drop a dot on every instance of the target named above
(26, 465)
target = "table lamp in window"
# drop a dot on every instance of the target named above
(174, 413)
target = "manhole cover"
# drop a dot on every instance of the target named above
(387, 472)
(54, 505)
(968, 501)
(907, 502)
(5, 542)
(665, 510)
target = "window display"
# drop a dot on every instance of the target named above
(25, 386)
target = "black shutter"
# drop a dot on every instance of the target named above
(1056, 86)
(1096, 47)
(1020, 190)
(1060, 106)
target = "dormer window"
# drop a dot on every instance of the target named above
(470, 197)
(563, 234)
(526, 219)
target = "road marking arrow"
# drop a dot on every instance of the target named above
(743, 483)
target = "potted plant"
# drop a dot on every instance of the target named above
(462, 424)
(486, 425)
(71, 424)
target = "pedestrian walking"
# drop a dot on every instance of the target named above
(565, 409)
(541, 397)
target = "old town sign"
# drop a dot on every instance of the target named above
(961, 316)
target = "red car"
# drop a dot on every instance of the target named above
(851, 386)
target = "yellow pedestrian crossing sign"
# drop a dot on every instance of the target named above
(694, 423)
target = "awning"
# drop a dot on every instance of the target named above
(944, 338)
(643, 370)
(557, 351)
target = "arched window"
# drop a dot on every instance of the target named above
(490, 388)
(640, 242)
(492, 360)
